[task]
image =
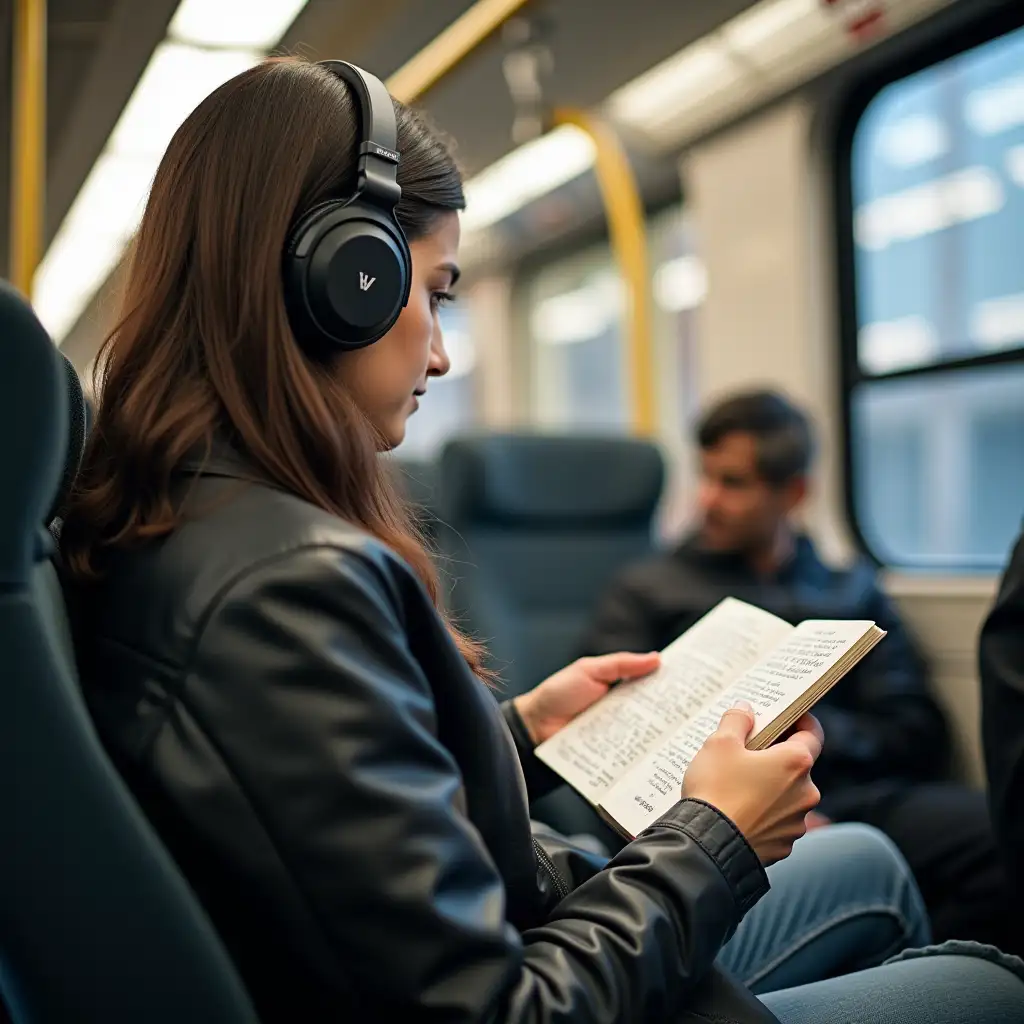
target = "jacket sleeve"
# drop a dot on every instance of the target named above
(328, 728)
(890, 725)
(540, 779)
(1001, 658)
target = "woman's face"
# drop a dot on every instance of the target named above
(387, 379)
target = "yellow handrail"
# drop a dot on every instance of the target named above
(28, 141)
(628, 233)
(453, 45)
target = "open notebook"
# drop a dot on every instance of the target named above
(628, 752)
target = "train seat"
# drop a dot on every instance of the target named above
(78, 428)
(96, 923)
(536, 526)
(416, 480)
(533, 529)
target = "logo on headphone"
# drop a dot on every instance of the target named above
(385, 154)
(365, 282)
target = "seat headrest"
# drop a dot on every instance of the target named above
(78, 428)
(532, 480)
(33, 433)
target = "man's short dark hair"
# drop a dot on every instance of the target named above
(782, 432)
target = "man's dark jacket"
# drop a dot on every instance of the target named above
(1001, 653)
(883, 729)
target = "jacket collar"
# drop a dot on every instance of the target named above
(802, 562)
(222, 460)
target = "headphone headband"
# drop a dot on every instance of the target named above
(347, 266)
(378, 134)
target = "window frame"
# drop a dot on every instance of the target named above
(850, 109)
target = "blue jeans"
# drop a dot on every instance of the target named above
(815, 949)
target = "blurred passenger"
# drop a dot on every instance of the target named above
(262, 651)
(1001, 658)
(888, 750)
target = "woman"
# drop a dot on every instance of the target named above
(263, 653)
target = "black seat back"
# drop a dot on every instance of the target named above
(96, 923)
(535, 527)
(78, 428)
(416, 480)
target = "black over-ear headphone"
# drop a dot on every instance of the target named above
(347, 268)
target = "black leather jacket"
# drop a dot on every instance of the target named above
(346, 798)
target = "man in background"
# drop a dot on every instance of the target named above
(887, 745)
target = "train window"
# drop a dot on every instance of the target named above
(679, 285)
(451, 404)
(575, 309)
(935, 366)
(576, 312)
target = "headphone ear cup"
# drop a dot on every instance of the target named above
(347, 274)
(310, 217)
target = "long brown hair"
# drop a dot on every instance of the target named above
(204, 350)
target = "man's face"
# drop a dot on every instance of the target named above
(740, 511)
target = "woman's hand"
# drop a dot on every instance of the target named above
(767, 794)
(560, 698)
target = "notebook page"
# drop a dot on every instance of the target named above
(653, 785)
(601, 744)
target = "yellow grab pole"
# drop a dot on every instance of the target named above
(28, 141)
(455, 43)
(627, 230)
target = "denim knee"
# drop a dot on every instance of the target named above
(947, 984)
(867, 845)
(845, 900)
(964, 948)
(872, 852)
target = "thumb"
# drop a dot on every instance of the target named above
(738, 721)
(610, 668)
